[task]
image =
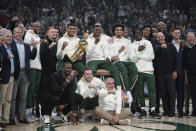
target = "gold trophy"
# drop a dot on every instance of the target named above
(80, 50)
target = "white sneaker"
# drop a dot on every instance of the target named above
(62, 117)
(136, 114)
(104, 122)
(125, 122)
(46, 120)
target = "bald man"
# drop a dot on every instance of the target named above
(110, 105)
(166, 65)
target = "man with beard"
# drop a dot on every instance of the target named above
(110, 106)
(97, 55)
(142, 54)
(48, 62)
(60, 92)
(166, 64)
(66, 48)
(88, 86)
(190, 70)
(162, 28)
(119, 56)
(31, 36)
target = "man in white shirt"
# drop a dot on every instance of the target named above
(87, 88)
(67, 46)
(142, 54)
(110, 105)
(31, 36)
(119, 56)
(97, 55)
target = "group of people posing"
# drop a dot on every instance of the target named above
(39, 75)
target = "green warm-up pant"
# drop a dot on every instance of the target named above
(150, 81)
(33, 87)
(101, 64)
(132, 74)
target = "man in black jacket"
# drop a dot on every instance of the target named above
(60, 92)
(179, 82)
(166, 72)
(190, 67)
(48, 62)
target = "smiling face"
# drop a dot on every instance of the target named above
(67, 68)
(71, 30)
(97, 31)
(118, 32)
(37, 28)
(176, 34)
(146, 32)
(51, 33)
(88, 75)
(110, 84)
(160, 38)
(191, 38)
(18, 33)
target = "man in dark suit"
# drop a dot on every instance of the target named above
(22, 56)
(6, 77)
(179, 82)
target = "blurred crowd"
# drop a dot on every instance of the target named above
(134, 13)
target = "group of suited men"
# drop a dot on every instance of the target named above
(39, 71)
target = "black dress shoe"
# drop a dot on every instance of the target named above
(181, 114)
(12, 122)
(23, 121)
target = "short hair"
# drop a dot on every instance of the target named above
(109, 78)
(35, 23)
(19, 29)
(5, 32)
(176, 28)
(134, 31)
(2, 31)
(50, 27)
(97, 26)
(67, 63)
(161, 22)
(147, 26)
(117, 25)
(87, 68)
(71, 24)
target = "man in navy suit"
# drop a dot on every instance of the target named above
(6, 77)
(22, 55)
(179, 82)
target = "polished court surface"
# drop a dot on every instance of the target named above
(148, 124)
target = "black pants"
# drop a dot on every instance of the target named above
(157, 93)
(180, 92)
(192, 82)
(71, 99)
(168, 92)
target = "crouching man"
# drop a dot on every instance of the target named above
(60, 91)
(110, 105)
